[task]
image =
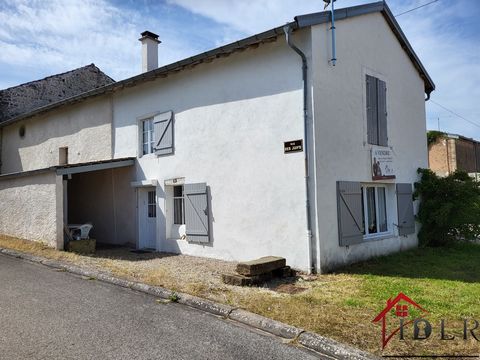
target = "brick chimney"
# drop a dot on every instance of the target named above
(150, 43)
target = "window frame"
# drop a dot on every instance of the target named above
(152, 204)
(366, 234)
(150, 142)
(182, 208)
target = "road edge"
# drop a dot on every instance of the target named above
(308, 340)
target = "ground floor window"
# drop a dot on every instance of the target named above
(374, 206)
(178, 205)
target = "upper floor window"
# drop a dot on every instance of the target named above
(148, 136)
(376, 111)
(157, 134)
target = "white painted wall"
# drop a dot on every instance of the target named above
(365, 45)
(84, 128)
(31, 207)
(231, 119)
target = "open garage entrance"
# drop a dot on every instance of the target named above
(100, 194)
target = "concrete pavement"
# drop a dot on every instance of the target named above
(47, 314)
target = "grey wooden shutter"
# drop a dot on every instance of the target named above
(196, 212)
(349, 212)
(382, 112)
(372, 123)
(406, 218)
(163, 132)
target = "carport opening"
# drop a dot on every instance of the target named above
(105, 199)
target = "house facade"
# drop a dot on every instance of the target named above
(261, 147)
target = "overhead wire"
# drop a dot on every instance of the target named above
(416, 8)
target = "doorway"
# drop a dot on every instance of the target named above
(147, 213)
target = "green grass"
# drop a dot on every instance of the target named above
(445, 281)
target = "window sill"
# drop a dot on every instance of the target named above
(147, 156)
(377, 237)
(176, 239)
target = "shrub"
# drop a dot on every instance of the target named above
(449, 208)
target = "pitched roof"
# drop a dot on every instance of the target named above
(300, 22)
(25, 98)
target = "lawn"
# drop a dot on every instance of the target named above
(444, 281)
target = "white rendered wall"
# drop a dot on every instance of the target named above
(231, 119)
(84, 128)
(31, 207)
(365, 45)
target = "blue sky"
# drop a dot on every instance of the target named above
(43, 37)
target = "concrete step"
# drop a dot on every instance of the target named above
(260, 266)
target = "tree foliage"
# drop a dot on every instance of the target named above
(433, 136)
(449, 208)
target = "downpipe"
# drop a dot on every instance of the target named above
(288, 30)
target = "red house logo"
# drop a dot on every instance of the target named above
(400, 305)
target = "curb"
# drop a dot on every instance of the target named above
(309, 340)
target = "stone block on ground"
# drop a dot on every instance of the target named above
(260, 266)
(84, 246)
(242, 280)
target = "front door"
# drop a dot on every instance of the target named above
(147, 211)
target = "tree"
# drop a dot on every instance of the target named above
(449, 207)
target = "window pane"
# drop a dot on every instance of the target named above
(152, 204)
(382, 210)
(371, 212)
(178, 191)
(178, 211)
(146, 147)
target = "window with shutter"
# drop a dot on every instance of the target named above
(406, 217)
(196, 212)
(376, 94)
(163, 133)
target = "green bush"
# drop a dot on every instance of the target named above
(449, 208)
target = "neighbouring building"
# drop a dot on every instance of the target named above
(270, 145)
(450, 152)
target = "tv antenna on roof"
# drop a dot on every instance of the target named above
(333, 60)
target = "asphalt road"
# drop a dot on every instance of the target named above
(47, 314)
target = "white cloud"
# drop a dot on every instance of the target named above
(47, 37)
(254, 16)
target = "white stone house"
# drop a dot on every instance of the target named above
(230, 154)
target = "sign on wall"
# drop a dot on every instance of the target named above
(382, 164)
(292, 146)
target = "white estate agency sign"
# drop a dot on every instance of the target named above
(382, 164)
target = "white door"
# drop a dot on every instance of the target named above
(147, 211)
